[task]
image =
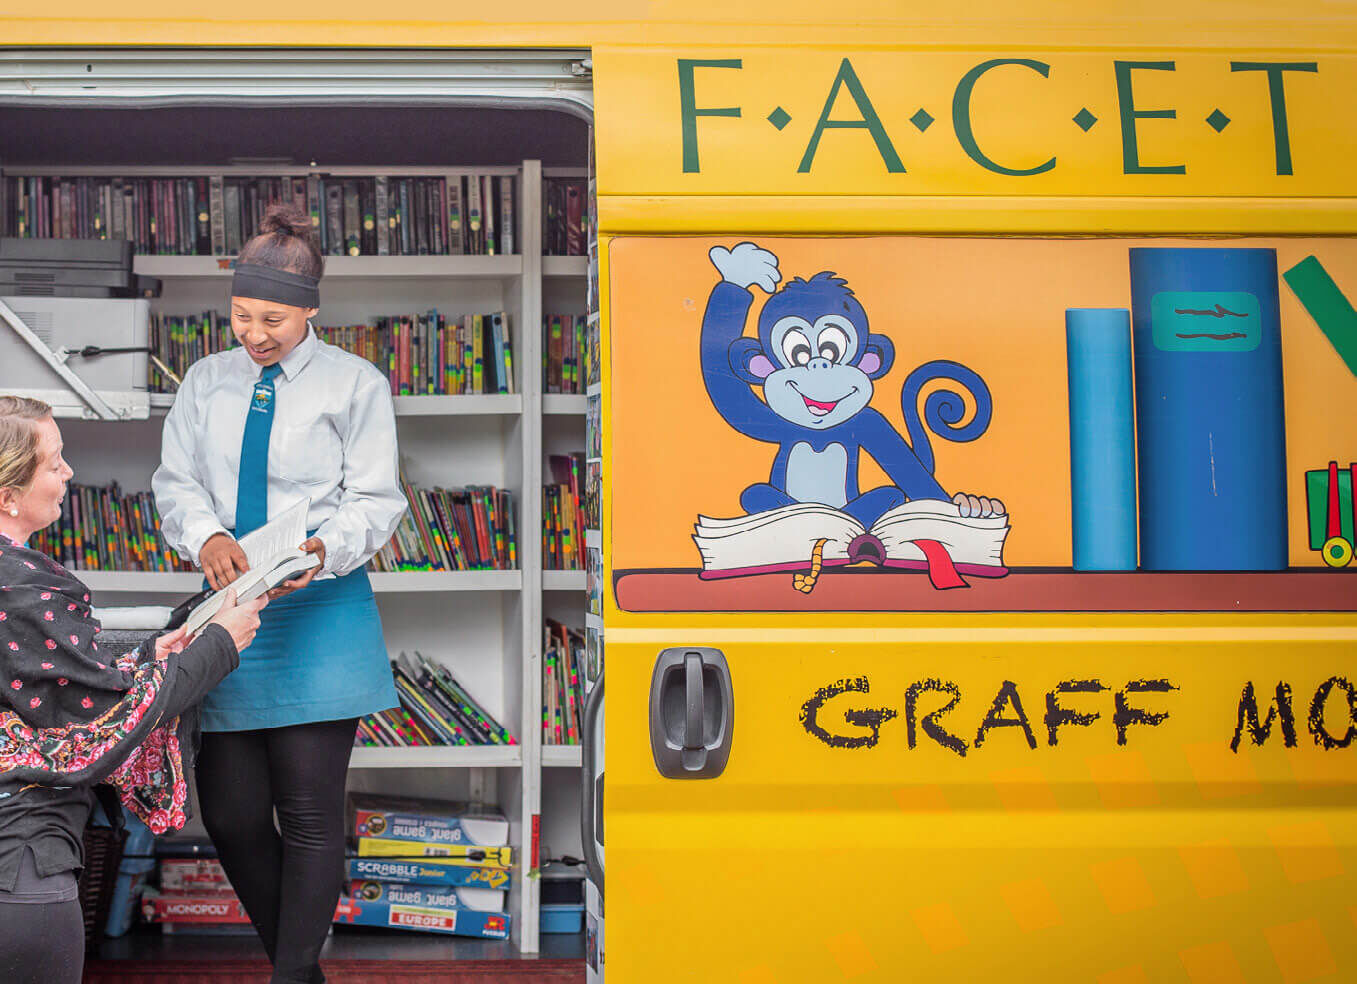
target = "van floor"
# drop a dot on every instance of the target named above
(350, 956)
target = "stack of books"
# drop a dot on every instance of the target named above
(562, 684)
(214, 215)
(468, 529)
(565, 216)
(427, 865)
(101, 528)
(563, 514)
(435, 709)
(565, 353)
(429, 354)
(194, 897)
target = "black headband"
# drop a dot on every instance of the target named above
(267, 284)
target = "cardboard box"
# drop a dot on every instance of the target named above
(428, 871)
(192, 908)
(442, 897)
(427, 821)
(192, 874)
(465, 854)
(429, 919)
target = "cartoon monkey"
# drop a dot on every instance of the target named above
(816, 358)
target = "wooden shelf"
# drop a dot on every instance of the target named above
(348, 267)
(565, 266)
(144, 582)
(562, 756)
(439, 757)
(563, 404)
(563, 581)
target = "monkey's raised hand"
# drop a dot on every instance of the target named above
(746, 265)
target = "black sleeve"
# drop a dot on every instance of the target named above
(202, 665)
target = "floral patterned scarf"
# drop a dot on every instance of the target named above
(70, 715)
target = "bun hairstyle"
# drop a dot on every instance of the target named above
(286, 241)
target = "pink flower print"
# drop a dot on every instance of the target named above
(17, 685)
(46, 596)
(51, 644)
(35, 702)
(86, 703)
(101, 666)
(14, 646)
(86, 597)
(70, 607)
(75, 640)
(47, 666)
(94, 646)
(47, 616)
(62, 681)
(3, 616)
(29, 566)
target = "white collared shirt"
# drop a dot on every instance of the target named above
(333, 441)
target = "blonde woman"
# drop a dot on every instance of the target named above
(71, 716)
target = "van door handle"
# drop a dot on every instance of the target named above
(591, 794)
(692, 713)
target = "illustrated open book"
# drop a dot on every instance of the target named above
(274, 557)
(923, 535)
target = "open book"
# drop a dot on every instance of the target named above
(274, 557)
(923, 534)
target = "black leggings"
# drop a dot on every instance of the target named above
(41, 943)
(289, 883)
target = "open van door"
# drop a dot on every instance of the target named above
(968, 612)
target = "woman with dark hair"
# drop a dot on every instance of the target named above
(72, 716)
(254, 431)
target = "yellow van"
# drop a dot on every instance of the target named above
(1040, 661)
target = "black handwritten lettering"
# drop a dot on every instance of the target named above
(1280, 710)
(1057, 715)
(871, 718)
(1125, 715)
(1321, 733)
(930, 721)
(1008, 694)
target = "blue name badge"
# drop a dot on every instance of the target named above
(1206, 321)
(262, 399)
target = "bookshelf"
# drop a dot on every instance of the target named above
(487, 625)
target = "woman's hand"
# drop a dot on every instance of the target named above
(311, 546)
(222, 560)
(242, 621)
(171, 642)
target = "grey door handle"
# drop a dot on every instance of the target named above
(591, 795)
(692, 713)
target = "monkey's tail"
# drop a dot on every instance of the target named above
(944, 408)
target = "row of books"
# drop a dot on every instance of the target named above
(435, 709)
(565, 217)
(468, 529)
(563, 514)
(425, 354)
(565, 353)
(431, 354)
(562, 684)
(428, 866)
(105, 529)
(214, 215)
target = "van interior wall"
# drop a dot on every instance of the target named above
(375, 134)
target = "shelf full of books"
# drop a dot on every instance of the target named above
(424, 354)
(563, 669)
(450, 214)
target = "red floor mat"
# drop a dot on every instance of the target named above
(340, 972)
